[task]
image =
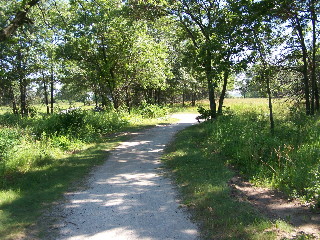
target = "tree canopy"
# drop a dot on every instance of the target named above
(122, 53)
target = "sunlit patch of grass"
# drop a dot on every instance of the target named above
(199, 159)
(38, 163)
(284, 226)
(202, 177)
(8, 196)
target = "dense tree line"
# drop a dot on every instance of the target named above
(122, 53)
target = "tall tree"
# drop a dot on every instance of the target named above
(120, 54)
(214, 27)
(297, 15)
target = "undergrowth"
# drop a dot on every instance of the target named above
(241, 138)
(287, 160)
(42, 155)
(202, 176)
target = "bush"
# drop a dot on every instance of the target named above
(8, 138)
(85, 125)
(288, 160)
(204, 114)
(60, 124)
(152, 110)
(31, 142)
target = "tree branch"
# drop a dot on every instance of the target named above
(193, 38)
(19, 19)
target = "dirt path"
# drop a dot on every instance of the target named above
(127, 198)
(275, 205)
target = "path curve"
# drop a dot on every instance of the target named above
(127, 197)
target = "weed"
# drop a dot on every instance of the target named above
(43, 155)
(288, 160)
(202, 175)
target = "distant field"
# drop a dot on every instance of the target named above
(241, 103)
(41, 108)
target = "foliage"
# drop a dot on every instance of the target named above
(26, 143)
(204, 113)
(288, 160)
(203, 178)
(42, 156)
(152, 110)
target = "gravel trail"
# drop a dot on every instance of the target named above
(127, 197)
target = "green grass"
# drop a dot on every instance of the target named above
(288, 160)
(202, 177)
(178, 108)
(27, 194)
(43, 156)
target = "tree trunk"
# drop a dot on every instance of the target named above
(305, 66)
(193, 100)
(46, 97)
(224, 89)
(211, 87)
(270, 105)
(22, 85)
(96, 98)
(51, 90)
(128, 98)
(116, 100)
(183, 95)
(13, 99)
(317, 100)
(23, 97)
(159, 95)
(104, 101)
(315, 92)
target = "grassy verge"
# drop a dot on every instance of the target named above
(28, 194)
(287, 160)
(203, 176)
(42, 157)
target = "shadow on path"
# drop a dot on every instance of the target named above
(127, 198)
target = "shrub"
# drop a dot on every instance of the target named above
(204, 113)
(62, 123)
(77, 123)
(288, 160)
(31, 142)
(152, 110)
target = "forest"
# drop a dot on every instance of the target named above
(122, 53)
(75, 72)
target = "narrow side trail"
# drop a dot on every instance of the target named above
(127, 198)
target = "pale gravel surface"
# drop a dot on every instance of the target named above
(128, 197)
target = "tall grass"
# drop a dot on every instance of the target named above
(202, 176)
(289, 159)
(41, 156)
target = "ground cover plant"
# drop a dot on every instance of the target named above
(202, 178)
(201, 158)
(43, 155)
(287, 159)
